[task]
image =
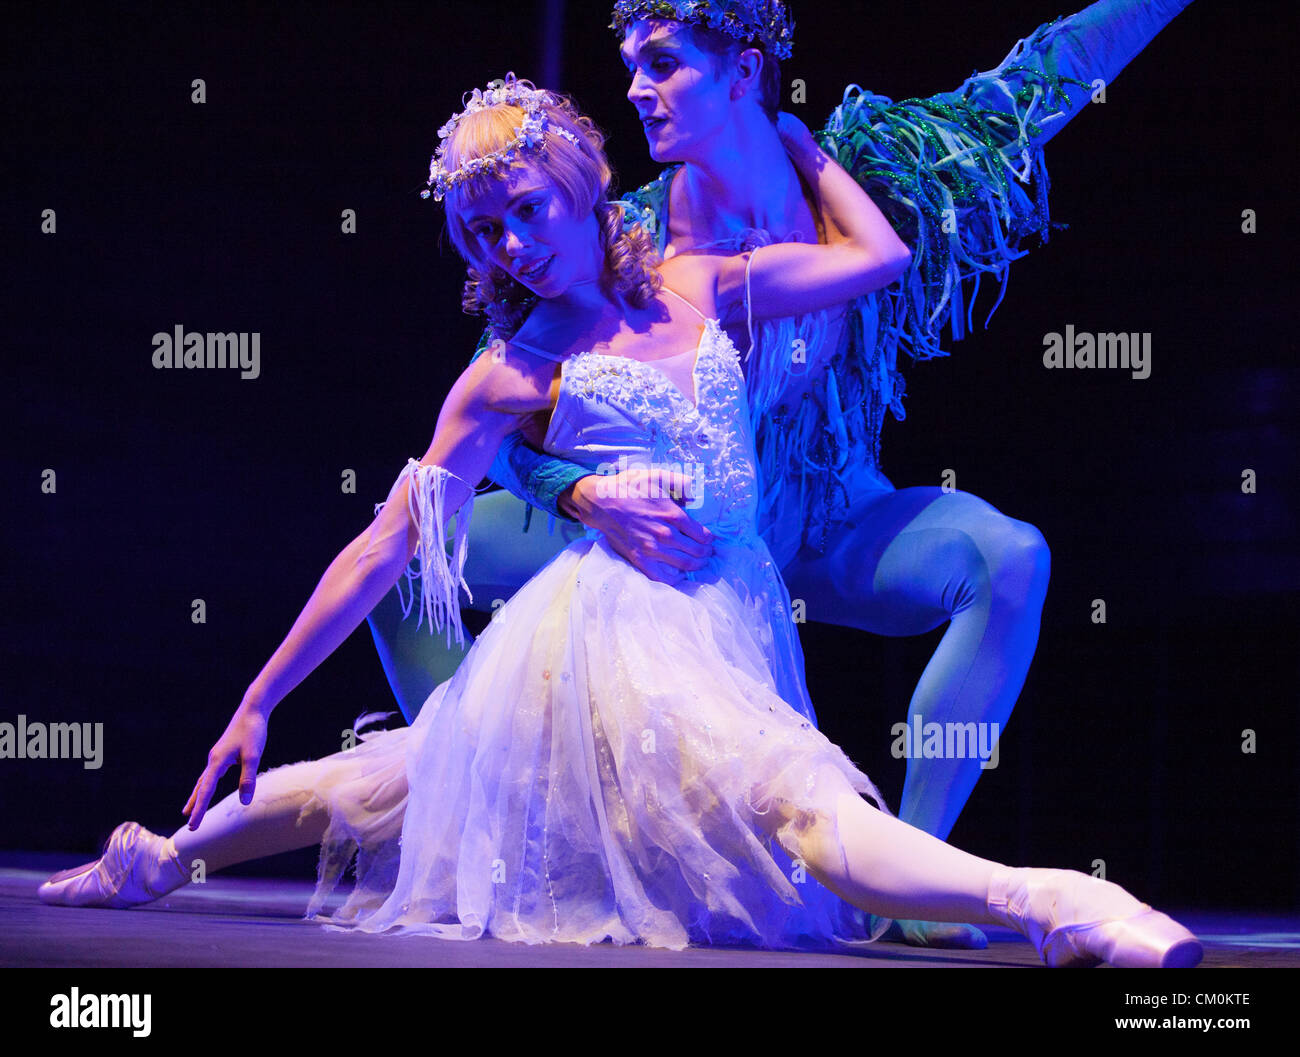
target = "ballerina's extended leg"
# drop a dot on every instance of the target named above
(887, 867)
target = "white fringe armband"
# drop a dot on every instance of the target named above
(440, 580)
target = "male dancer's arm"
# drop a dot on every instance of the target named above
(1093, 45)
(953, 166)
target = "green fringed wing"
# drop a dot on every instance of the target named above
(961, 178)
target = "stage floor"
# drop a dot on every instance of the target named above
(253, 922)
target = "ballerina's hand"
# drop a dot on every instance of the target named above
(243, 742)
(644, 524)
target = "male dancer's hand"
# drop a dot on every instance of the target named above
(793, 132)
(243, 742)
(651, 532)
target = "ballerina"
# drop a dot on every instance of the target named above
(705, 80)
(616, 758)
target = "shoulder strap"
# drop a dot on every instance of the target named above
(537, 351)
(749, 300)
(669, 290)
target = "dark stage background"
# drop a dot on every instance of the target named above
(1127, 744)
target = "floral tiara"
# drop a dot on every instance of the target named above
(530, 136)
(765, 21)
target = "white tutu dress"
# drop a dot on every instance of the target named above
(603, 762)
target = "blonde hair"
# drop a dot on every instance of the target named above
(580, 173)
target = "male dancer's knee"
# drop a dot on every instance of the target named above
(986, 559)
(1020, 565)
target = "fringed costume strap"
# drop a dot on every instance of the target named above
(439, 579)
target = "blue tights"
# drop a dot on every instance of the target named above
(910, 560)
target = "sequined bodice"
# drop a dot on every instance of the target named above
(614, 413)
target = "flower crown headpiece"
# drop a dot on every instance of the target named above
(530, 136)
(765, 21)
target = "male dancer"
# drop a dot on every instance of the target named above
(948, 172)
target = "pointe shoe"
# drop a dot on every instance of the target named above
(1074, 920)
(121, 877)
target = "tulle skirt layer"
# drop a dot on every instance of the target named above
(616, 759)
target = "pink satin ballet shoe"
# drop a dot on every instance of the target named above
(121, 877)
(1074, 920)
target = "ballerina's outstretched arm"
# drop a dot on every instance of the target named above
(487, 402)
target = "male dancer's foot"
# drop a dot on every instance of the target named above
(941, 935)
